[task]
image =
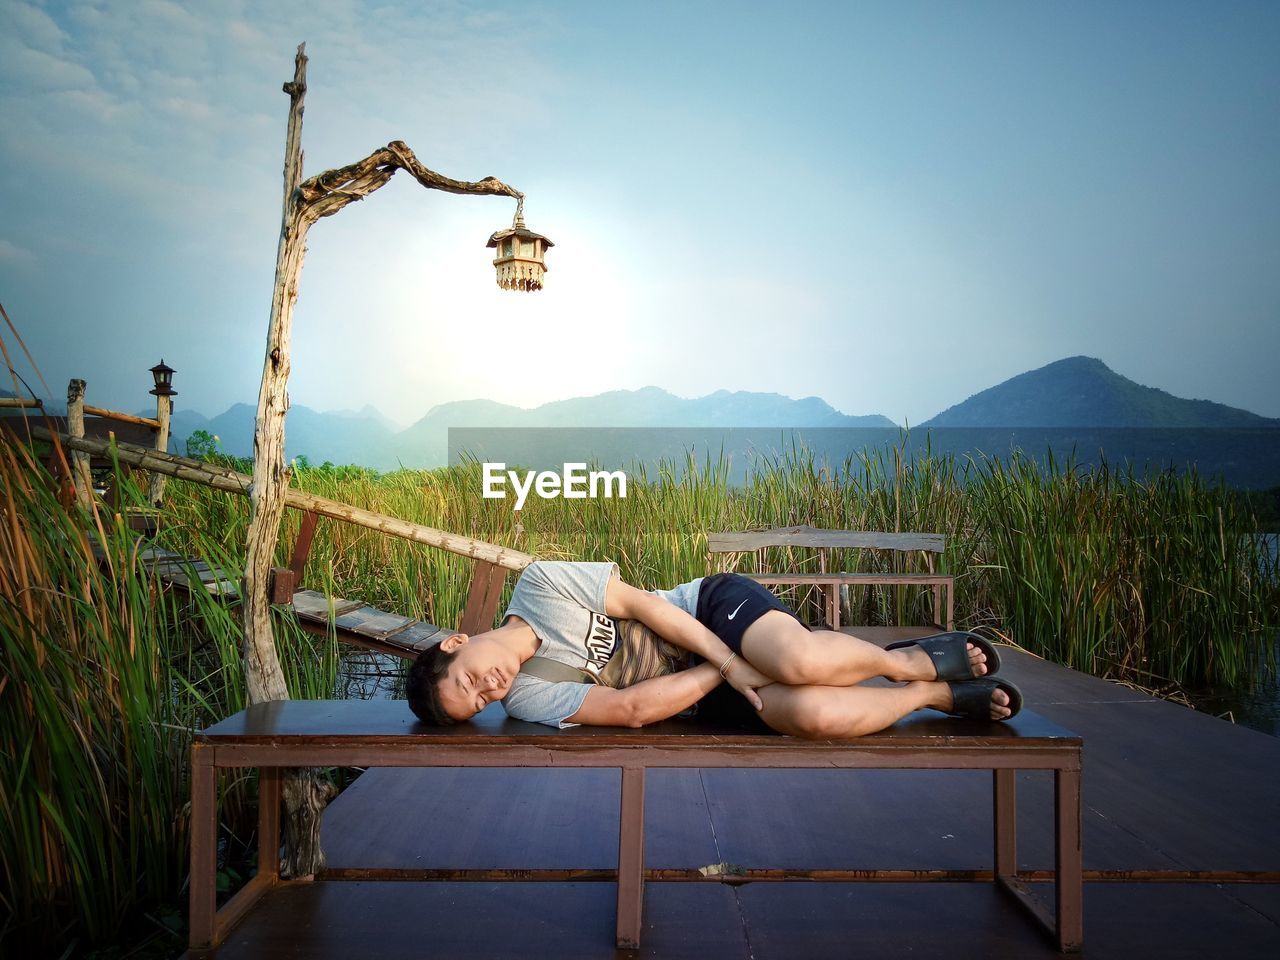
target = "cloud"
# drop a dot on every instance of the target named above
(32, 27)
(151, 101)
(10, 252)
(40, 72)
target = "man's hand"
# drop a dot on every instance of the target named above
(746, 679)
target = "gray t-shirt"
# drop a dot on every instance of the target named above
(564, 604)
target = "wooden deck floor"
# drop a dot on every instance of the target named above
(1181, 847)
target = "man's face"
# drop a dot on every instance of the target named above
(481, 672)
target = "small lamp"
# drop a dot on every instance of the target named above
(520, 253)
(163, 375)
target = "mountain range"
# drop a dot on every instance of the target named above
(1077, 392)
(1085, 392)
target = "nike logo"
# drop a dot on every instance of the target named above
(737, 608)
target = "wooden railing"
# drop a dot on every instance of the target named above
(491, 561)
(151, 422)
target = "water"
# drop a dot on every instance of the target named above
(1246, 459)
(1257, 709)
(368, 675)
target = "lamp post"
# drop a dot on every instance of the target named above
(164, 393)
(305, 202)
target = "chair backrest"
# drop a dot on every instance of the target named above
(758, 541)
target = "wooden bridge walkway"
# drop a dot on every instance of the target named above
(353, 621)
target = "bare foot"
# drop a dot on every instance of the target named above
(912, 663)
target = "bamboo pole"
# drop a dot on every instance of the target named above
(21, 402)
(164, 407)
(122, 417)
(81, 479)
(231, 481)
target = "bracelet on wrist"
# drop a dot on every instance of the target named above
(725, 666)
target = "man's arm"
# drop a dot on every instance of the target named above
(649, 700)
(674, 625)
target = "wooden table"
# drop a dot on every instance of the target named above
(319, 733)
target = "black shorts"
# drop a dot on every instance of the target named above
(728, 603)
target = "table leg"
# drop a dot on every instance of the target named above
(269, 822)
(631, 858)
(1005, 821)
(1068, 861)
(204, 845)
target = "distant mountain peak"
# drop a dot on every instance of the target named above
(1084, 392)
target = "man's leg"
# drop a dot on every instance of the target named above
(821, 712)
(779, 645)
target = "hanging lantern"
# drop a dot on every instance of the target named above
(519, 255)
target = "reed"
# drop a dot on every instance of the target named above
(1157, 578)
(1128, 577)
(104, 676)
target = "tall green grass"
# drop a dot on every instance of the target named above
(1136, 578)
(1160, 578)
(103, 677)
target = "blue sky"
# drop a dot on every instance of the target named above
(888, 205)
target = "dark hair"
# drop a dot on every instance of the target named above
(423, 686)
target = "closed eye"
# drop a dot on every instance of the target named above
(471, 685)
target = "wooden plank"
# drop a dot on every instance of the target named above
(223, 587)
(716, 752)
(567, 819)
(487, 581)
(163, 565)
(181, 572)
(420, 635)
(156, 553)
(281, 588)
(331, 919)
(390, 722)
(315, 606)
(372, 622)
(302, 547)
(813, 537)
(391, 920)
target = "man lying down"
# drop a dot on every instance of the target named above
(577, 645)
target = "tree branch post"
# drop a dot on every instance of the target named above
(305, 792)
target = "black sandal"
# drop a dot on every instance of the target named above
(950, 654)
(971, 699)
